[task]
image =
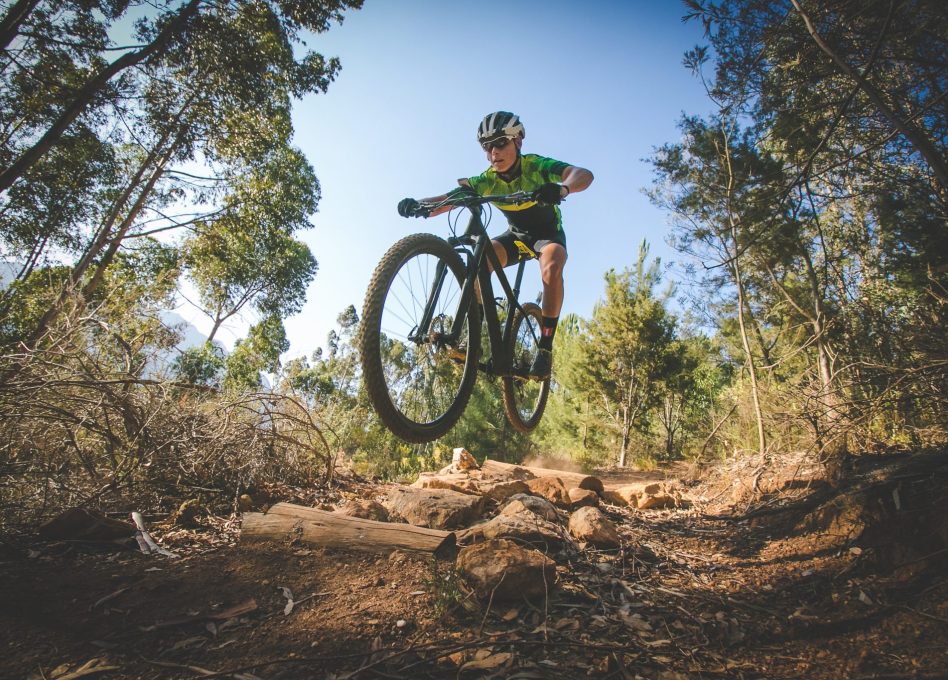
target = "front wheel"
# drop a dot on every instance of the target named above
(418, 381)
(525, 398)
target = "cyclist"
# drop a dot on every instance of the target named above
(535, 229)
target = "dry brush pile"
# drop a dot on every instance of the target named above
(81, 425)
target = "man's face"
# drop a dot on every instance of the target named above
(502, 153)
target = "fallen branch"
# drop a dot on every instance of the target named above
(296, 522)
(145, 542)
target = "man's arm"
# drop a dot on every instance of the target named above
(437, 199)
(575, 178)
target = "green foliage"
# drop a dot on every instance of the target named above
(202, 365)
(443, 583)
(100, 150)
(627, 349)
(826, 208)
(258, 353)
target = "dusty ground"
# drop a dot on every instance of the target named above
(794, 580)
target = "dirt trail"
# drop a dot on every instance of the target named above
(809, 583)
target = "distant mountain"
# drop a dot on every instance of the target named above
(190, 335)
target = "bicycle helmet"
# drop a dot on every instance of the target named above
(500, 124)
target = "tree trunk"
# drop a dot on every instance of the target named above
(116, 241)
(287, 521)
(102, 238)
(87, 93)
(625, 437)
(835, 444)
(752, 369)
(15, 16)
(739, 283)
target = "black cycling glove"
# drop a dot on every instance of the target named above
(409, 207)
(549, 193)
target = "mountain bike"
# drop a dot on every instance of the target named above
(420, 336)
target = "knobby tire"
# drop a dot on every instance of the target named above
(525, 398)
(379, 368)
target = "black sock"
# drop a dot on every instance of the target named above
(547, 331)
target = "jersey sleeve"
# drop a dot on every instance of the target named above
(551, 168)
(480, 183)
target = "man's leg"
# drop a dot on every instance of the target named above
(552, 261)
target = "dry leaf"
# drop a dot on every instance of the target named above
(567, 625)
(488, 663)
(635, 621)
(189, 642)
(656, 643)
(288, 594)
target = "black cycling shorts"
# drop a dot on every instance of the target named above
(521, 246)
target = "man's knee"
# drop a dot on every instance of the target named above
(552, 264)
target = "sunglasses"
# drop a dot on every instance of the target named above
(496, 144)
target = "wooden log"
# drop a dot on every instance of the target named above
(288, 521)
(570, 479)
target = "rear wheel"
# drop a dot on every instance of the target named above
(524, 397)
(419, 385)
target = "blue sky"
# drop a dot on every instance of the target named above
(597, 84)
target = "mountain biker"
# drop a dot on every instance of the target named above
(535, 229)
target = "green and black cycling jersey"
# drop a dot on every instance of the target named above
(540, 221)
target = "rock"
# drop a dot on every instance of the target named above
(524, 526)
(580, 498)
(436, 509)
(535, 504)
(645, 495)
(461, 483)
(463, 460)
(550, 488)
(364, 509)
(591, 483)
(82, 524)
(502, 570)
(589, 525)
(503, 489)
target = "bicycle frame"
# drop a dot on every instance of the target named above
(501, 363)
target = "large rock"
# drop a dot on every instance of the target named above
(502, 489)
(645, 495)
(502, 570)
(552, 489)
(435, 508)
(580, 498)
(524, 526)
(535, 504)
(589, 525)
(463, 460)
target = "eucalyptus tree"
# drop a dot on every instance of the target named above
(259, 352)
(186, 128)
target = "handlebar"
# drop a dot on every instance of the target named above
(468, 199)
